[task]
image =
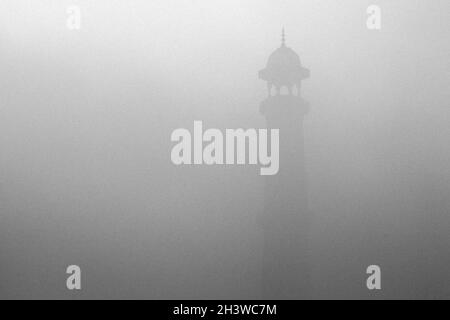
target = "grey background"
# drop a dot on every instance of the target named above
(85, 124)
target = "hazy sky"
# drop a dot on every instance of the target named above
(85, 123)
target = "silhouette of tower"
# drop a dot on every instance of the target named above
(286, 218)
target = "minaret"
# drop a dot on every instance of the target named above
(286, 222)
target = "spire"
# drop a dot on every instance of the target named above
(283, 38)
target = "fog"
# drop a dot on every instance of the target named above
(85, 122)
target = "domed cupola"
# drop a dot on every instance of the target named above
(284, 69)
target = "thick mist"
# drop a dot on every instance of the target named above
(86, 117)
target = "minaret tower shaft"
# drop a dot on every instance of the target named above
(286, 221)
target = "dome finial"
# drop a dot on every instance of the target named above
(283, 38)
